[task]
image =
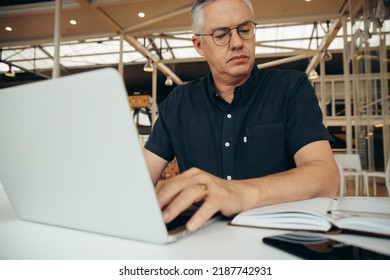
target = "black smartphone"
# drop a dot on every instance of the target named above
(316, 246)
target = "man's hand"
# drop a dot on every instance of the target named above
(193, 186)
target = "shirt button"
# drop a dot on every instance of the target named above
(227, 144)
(229, 116)
(229, 177)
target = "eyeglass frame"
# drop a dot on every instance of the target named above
(230, 33)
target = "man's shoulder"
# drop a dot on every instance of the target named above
(186, 92)
(189, 89)
(192, 85)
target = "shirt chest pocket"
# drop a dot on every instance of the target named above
(265, 147)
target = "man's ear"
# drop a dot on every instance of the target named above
(197, 45)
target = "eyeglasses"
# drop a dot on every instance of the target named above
(222, 36)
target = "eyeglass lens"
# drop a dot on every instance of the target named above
(222, 36)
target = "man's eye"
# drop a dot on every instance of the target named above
(244, 30)
(220, 34)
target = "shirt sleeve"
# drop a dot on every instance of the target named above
(304, 123)
(159, 141)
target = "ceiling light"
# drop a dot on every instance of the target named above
(8, 28)
(313, 75)
(148, 66)
(73, 22)
(141, 14)
(168, 81)
(10, 73)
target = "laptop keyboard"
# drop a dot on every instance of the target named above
(181, 220)
(179, 223)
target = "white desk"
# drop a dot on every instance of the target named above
(27, 240)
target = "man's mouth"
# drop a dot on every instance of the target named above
(238, 57)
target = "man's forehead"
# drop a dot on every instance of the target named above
(218, 15)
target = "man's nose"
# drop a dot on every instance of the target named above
(235, 38)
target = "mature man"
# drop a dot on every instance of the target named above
(243, 137)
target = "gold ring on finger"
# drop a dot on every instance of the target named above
(204, 187)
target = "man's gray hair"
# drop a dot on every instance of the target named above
(198, 16)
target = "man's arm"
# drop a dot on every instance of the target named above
(316, 175)
(156, 165)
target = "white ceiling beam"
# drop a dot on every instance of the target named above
(300, 19)
(327, 40)
(113, 25)
(306, 51)
(49, 40)
(284, 60)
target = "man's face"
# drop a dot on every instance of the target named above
(234, 60)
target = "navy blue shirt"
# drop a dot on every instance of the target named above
(273, 115)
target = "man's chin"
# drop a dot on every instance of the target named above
(241, 69)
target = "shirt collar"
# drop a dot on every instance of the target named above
(250, 85)
(211, 88)
(246, 88)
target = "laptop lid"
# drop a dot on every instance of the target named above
(70, 156)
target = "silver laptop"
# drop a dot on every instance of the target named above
(70, 156)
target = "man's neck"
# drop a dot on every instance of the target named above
(227, 93)
(225, 87)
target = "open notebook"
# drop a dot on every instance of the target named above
(368, 215)
(70, 156)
